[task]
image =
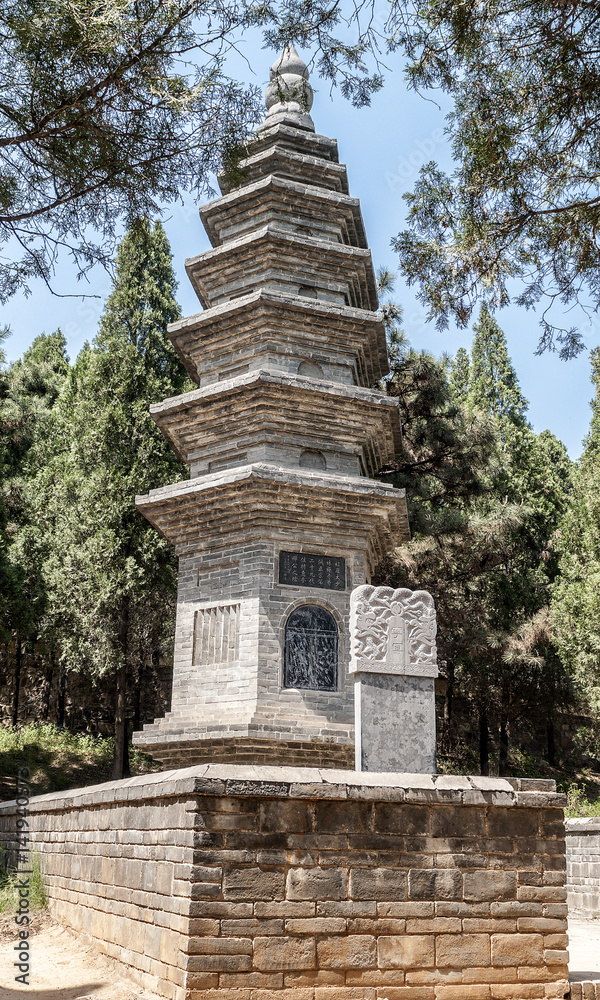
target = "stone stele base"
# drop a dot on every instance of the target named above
(226, 882)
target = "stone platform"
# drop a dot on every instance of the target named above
(227, 882)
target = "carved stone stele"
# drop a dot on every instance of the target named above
(393, 632)
(393, 660)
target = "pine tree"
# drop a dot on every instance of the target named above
(113, 578)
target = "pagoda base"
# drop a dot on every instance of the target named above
(253, 750)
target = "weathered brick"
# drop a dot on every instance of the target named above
(449, 821)
(291, 817)
(517, 949)
(541, 925)
(513, 822)
(256, 980)
(556, 941)
(555, 956)
(316, 925)
(219, 963)
(351, 951)
(524, 991)
(377, 884)
(251, 927)
(253, 883)
(406, 993)
(408, 908)
(314, 977)
(282, 953)
(435, 884)
(434, 925)
(462, 950)
(284, 908)
(401, 819)
(413, 951)
(348, 816)
(317, 883)
(220, 946)
(489, 885)
(462, 992)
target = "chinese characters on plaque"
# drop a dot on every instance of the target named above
(306, 569)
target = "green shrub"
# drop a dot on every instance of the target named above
(578, 804)
(58, 759)
(9, 893)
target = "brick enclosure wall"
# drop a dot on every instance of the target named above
(583, 866)
(235, 883)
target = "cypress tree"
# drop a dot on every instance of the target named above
(493, 384)
(31, 388)
(460, 375)
(113, 576)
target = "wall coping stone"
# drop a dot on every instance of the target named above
(305, 782)
(583, 824)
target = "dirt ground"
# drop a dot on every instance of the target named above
(62, 968)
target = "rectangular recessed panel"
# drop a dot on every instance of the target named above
(216, 634)
(308, 569)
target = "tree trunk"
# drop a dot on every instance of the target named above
(551, 743)
(61, 699)
(120, 761)
(137, 702)
(137, 693)
(484, 742)
(504, 742)
(17, 680)
(449, 703)
(47, 689)
(504, 730)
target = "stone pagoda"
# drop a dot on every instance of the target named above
(281, 516)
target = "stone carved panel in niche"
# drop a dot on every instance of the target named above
(310, 458)
(311, 369)
(310, 649)
(393, 632)
(216, 634)
(309, 569)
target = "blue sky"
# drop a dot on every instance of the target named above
(383, 147)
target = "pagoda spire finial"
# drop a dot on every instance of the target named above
(289, 95)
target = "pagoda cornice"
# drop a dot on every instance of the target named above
(271, 256)
(269, 500)
(282, 161)
(311, 143)
(291, 201)
(232, 328)
(285, 414)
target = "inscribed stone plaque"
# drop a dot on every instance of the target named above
(308, 569)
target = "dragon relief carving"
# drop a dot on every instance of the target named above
(393, 631)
